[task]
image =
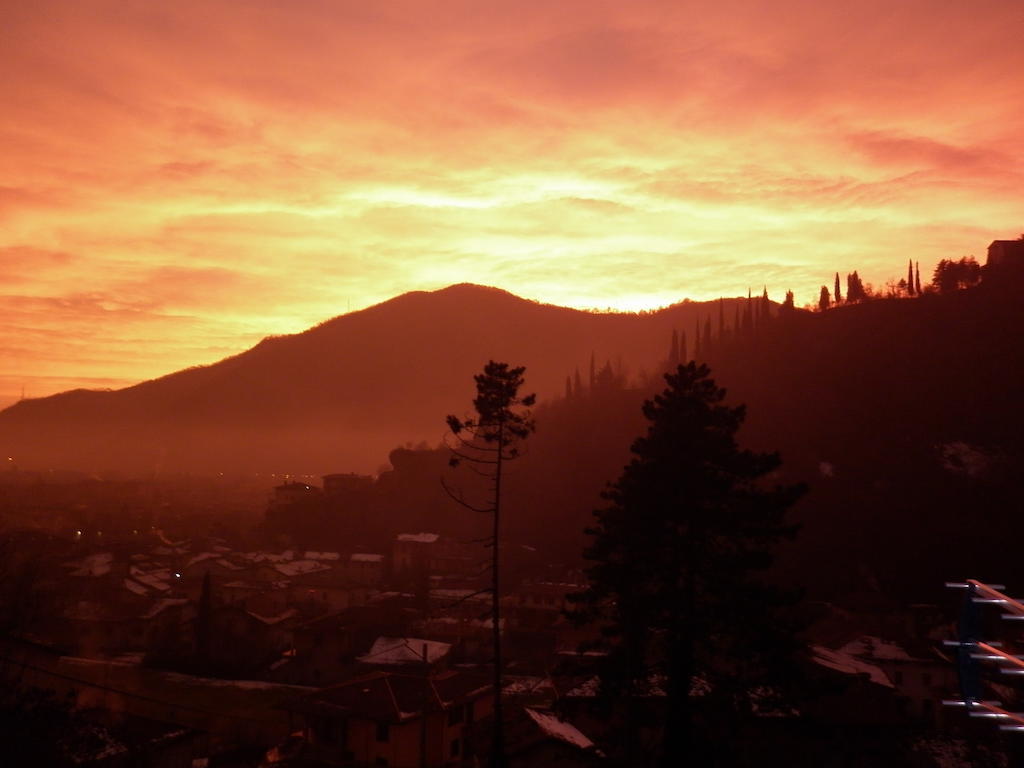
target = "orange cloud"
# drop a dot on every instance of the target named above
(181, 179)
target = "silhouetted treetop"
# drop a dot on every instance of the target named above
(952, 275)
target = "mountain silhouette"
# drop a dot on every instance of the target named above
(338, 396)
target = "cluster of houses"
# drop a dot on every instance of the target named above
(381, 658)
(388, 650)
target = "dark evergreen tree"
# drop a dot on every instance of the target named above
(607, 379)
(836, 295)
(674, 557)
(788, 304)
(910, 276)
(824, 300)
(487, 440)
(917, 277)
(766, 306)
(855, 288)
(953, 275)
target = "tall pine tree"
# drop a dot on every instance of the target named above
(487, 441)
(673, 576)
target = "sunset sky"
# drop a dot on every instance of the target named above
(178, 180)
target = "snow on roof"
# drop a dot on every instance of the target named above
(419, 538)
(299, 567)
(274, 619)
(876, 648)
(459, 594)
(160, 605)
(559, 729)
(160, 535)
(93, 565)
(134, 586)
(849, 665)
(366, 557)
(200, 558)
(153, 579)
(403, 650)
(523, 684)
(322, 556)
(270, 557)
(654, 686)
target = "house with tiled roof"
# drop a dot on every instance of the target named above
(397, 720)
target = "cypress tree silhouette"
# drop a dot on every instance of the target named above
(606, 379)
(766, 306)
(824, 300)
(910, 276)
(917, 277)
(836, 294)
(855, 288)
(488, 440)
(788, 304)
(673, 556)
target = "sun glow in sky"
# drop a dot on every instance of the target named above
(179, 180)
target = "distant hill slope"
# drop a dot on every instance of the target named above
(339, 396)
(905, 418)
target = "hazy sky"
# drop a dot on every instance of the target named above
(179, 179)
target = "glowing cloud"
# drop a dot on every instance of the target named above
(179, 180)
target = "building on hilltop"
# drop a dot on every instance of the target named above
(1005, 255)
